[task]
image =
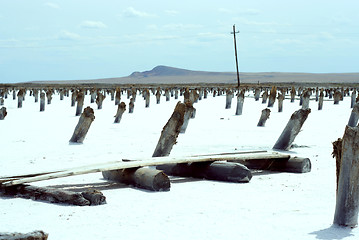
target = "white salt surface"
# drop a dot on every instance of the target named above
(270, 206)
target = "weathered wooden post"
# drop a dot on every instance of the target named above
(158, 96)
(176, 93)
(264, 96)
(347, 199)
(42, 101)
(305, 98)
(354, 116)
(73, 97)
(264, 116)
(240, 101)
(170, 131)
(120, 110)
(83, 125)
(214, 92)
(257, 93)
(292, 94)
(3, 113)
(118, 96)
(272, 96)
(93, 94)
(49, 96)
(147, 98)
(280, 102)
(205, 93)
(131, 105)
(337, 96)
(36, 94)
(134, 94)
(99, 100)
(112, 94)
(189, 111)
(317, 94)
(229, 96)
(321, 99)
(292, 129)
(353, 98)
(13, 94)
(167, 94)
(20, 98)
(2, 101)
(80, 98)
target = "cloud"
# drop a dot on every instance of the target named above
(180, 26)
(52, 5)
(171, 12)
(248, 11)
(288, 41)
(131, 12)
(93, 24)
(65, 35)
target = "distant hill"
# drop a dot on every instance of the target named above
(172, 75)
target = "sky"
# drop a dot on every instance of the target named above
(90, 39)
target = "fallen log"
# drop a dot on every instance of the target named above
(292, 129)
(52, 195)
(83, 125)
(35, 235)
(145, 178)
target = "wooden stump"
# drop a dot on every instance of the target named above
(321, 99)
(120, 110)
(176, 94)
(190, 112)
(347, 201)
(147, 98)
(20, 98)
(42, 102)
(167, 94)
(240, 101)
(1, 101)
(292, 129)
(99, 100)
(144, 177)
(264, 116)
(219, 171)
(280, 102)
(93, 95)
(229, 96)
(305, 99)
(264, 97)
(158, 96)
(257, 93)
(353, 98)
(3, 113)
(80, 98)
(49, 96)
(337, 97)
(36, 95)
(73, 98)
(170, 131)
(354, 116)
(83, 125)
(35, 235)
(292, 94)
(272, 96)
(131, 105)
(118, 96)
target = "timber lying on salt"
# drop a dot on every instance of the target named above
(143, 162)
(54, 195)
(35, 235)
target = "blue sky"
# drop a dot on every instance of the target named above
(88, 39)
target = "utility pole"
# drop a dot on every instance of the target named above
(235, 51)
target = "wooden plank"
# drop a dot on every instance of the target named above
(143, 163)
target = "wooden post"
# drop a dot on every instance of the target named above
(83, 125)
(229, 96)
(321, 99)
(240, 101)
(14, 94)
(120, 110)
(112, 94)
(80, 103)
(353, 98)
(118, 96)
(147, 98)
(347, 200)
(167, 94)
(176, 94)
(35, 235)
(354, 116)
(219, 171)
(49, 96)
(3, 113)
(205, 93)
(146, 178)
(99, 100)
(36, 95)
(20, 98)
(264, 116)
(189, 112)
(2, 101)
(305, 98)
(62, 93)
(257, 93)
(264, 96)
(73, 97)
(272, 96)
(337, 96)
(170, 131)
(131, 105)
(158, 96)
(42, 101)
(280, 102)
(292, 94)
(292, 129)
(93, 94)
